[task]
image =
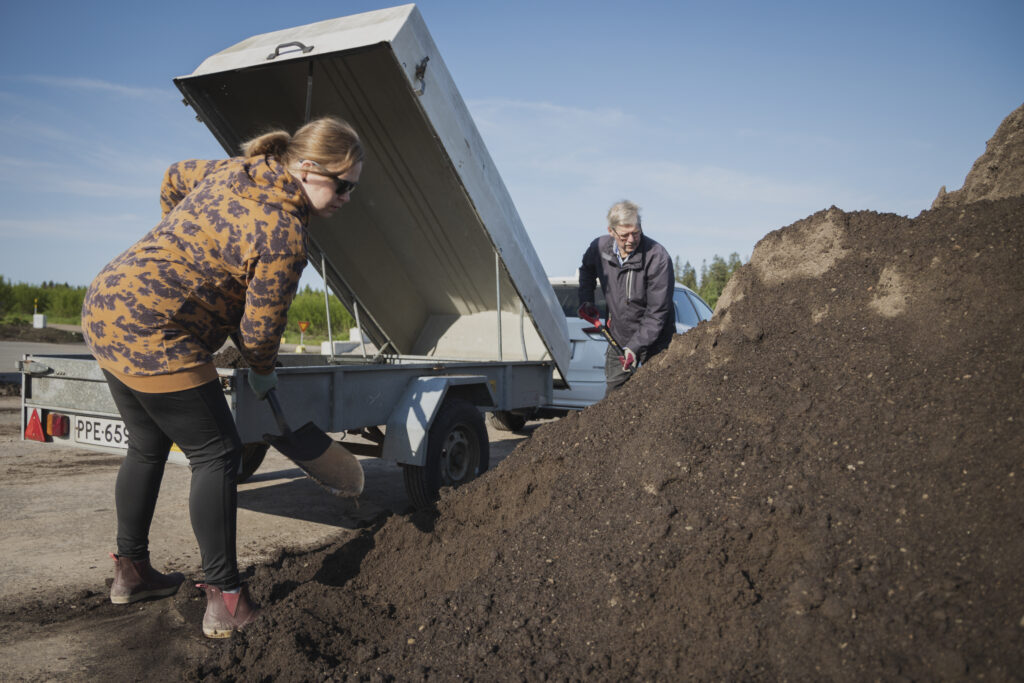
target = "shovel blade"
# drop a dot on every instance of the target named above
(325, 460)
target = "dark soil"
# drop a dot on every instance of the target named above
(819, 484)
(229, 357)
(22, 331)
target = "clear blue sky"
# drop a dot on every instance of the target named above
(723, 119)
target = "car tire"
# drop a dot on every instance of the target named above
(458, 451)
(506, 421)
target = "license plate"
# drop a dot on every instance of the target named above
(101, 432)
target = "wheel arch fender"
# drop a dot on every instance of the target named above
(409, 423)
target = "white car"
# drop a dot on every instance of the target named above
(586, 363)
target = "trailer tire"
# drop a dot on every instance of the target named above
(505, 421)
(252, 458)
(457, 452)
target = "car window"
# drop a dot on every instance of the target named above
(685, 315)
(568, 299)
(703, 310)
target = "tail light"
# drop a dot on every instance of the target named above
(57, 425)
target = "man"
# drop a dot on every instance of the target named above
(637, 279)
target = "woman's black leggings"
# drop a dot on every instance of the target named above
(199, 421)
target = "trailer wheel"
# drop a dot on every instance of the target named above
(252, 458)
(506, 421)
(457, 452)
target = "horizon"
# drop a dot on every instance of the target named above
(723, 122)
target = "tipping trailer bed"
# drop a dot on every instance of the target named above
(430, 256)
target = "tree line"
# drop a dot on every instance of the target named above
(713, 278)
(308, 306)
(60, 302)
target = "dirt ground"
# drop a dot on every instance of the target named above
(49, 335)
(58, 511)
(822, 483)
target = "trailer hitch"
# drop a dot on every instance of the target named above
(34, 368)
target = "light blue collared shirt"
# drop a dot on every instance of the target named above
(618, 255)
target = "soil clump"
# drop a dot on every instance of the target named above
(820, 483)
(229, 357)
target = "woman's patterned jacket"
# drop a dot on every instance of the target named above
(226, 256)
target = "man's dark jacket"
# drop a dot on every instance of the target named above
(641, 314)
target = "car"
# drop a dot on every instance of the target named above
(586, 364)
(585, 376)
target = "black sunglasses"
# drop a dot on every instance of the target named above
(341, 185)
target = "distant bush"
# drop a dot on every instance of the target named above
(5, 297)
(60, 302)
(308, 306)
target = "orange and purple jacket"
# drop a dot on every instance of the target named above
(226, 256)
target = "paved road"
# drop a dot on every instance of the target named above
(13, 351)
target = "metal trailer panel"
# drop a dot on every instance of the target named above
(430, 253)
(339, 397)
(342, 397)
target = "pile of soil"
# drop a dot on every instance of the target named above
(821, 483)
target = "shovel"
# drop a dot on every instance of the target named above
(325, 460)
(603, 329)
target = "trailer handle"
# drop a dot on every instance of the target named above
(277, 50)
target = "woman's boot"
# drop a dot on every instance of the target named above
(137, 580)
(226, 612)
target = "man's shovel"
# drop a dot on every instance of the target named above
(325, 460)
(603, 329)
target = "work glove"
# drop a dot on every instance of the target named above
(588, 312)
(628, 359)
(261, 384)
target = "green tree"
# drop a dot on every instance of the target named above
(734, 263)
(685, 274)
(712, 279)
(6, 300)
(65, 302)
(308, 306)
(716, 276)
(27, 299)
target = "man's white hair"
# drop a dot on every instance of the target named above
(623, 213)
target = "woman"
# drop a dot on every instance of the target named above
(224, 260)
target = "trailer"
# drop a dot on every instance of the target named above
(430, 257)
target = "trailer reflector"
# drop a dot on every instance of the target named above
(34, 430)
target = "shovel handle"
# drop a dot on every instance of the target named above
(603, 329)
(611, 340)
(275, 407)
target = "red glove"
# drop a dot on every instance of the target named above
(628, 359)
(589, 312)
